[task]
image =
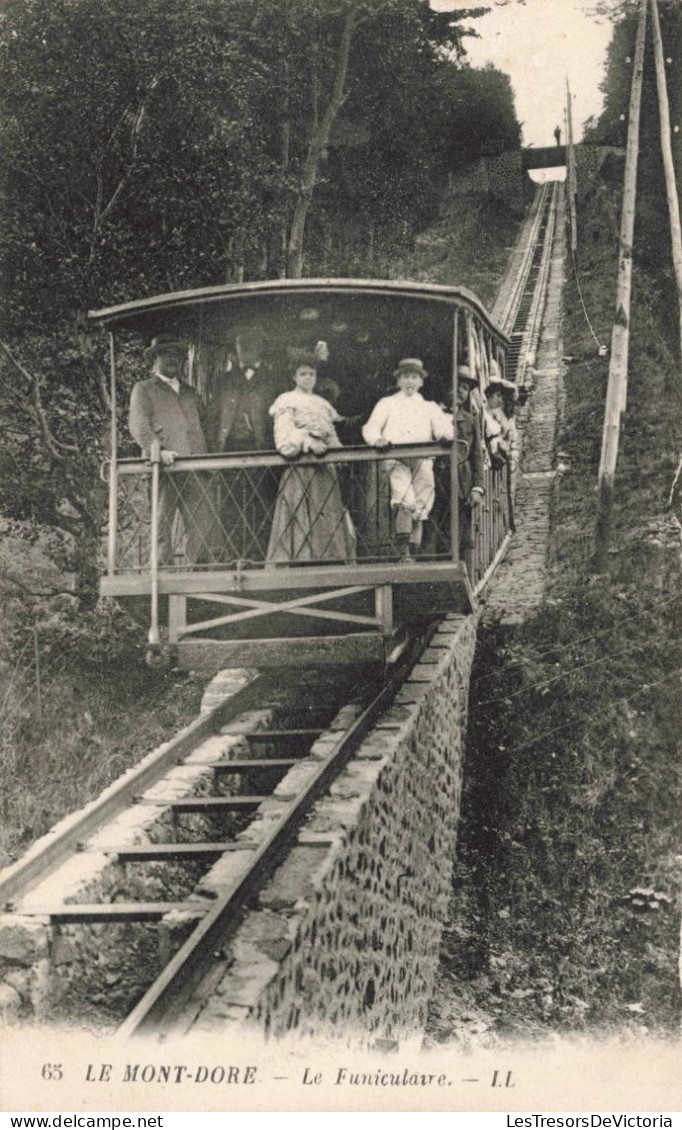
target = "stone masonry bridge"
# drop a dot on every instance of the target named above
(505, 176)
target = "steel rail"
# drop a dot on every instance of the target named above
(529, 335)
(52, 850)
(171, 1003)
(518, 288)
(533, 322)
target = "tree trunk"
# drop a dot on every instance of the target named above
(286, 151)
(318, 142)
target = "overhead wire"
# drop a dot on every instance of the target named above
(600, 344)
(558, 648)
(565, 674)
(566, 725)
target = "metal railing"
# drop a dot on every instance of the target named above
(260, 510)
(493, 525)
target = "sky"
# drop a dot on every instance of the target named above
(537, 44)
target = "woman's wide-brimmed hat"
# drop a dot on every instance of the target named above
(300, 355)
(499, 384)
(498, 381)
(410, 365)
(165, 343)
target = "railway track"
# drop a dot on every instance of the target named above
(219, 804)
(521, 316)
(522, 312)
(259, 772)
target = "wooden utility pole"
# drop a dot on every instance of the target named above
(571, 173)
(39, 696)
(668, 165)
(620, 335)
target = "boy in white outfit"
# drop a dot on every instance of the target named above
(406, 417)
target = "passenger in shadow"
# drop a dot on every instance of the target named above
(470, 476)
(502, 439)
(500, 427)
(310, 522)
(241, 423)
(240, 403)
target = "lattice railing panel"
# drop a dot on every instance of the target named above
(270, 512)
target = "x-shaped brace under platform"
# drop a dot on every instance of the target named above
(252, 608)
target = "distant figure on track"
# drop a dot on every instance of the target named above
(557, 135)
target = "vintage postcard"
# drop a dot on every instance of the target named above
(340, 558)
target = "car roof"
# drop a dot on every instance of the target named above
(142, 312)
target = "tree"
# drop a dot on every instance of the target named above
(319, 137)
(131, 160)
(397, 93)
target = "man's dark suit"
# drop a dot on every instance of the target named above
(469, 474)
(470, 466)
(238, 397)
(240, 421)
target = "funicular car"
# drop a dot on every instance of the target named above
(233, 601)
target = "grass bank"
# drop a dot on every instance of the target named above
(100, 710)
(469, 246)
(566, 898)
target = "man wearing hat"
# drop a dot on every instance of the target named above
(406, 417)
(244, 395)
(166, 409)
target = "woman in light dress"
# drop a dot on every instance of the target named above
(310, 522)
(500, 427)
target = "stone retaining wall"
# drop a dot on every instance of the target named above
(503, 176)
(346, 937)
(500, 176)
